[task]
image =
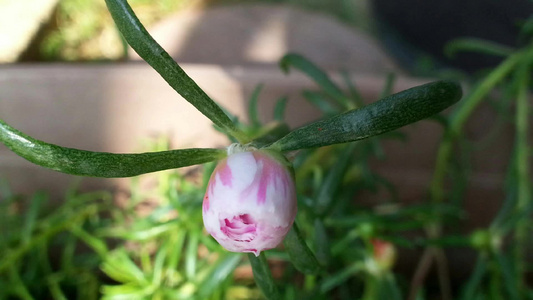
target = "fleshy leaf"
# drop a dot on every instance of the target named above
(147, 48)
(101, 164)
(263, 276)
(320, 77)
(301, 256)
(387, 114)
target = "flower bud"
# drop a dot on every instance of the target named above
(384, 253)
(250, 202)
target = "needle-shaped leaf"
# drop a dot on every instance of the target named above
(336, 279)
(471, 287)
(478, 46)
(220, 273)
(510, 281)
(320, 77)
(387, 114)
(325, 197)
(301, 256)
(322, 242)
(253, 110)
(101, 164)
(279, 109)
(147, 48)
(318, 100)
(263, 276)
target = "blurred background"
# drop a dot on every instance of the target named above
(68, 78)
(68, 74)
(82, 30)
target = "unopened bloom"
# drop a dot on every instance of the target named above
(384, 253)
(250, 202)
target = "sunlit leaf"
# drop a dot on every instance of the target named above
(147, 48)
(101, 164)
(219, 274)
(387, 114)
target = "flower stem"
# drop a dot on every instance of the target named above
(263, 276)
(460, 117)
(522, 168)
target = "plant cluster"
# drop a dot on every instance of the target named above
(334, 249)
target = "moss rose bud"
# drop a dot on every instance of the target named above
(250, 202)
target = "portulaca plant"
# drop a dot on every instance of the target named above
(250, 203)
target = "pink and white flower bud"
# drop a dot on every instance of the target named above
(384, 253)
(250, 202)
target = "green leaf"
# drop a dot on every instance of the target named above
(382, 116)
(509, 279)
(279, 109)
(142, 230)
(101, 164)
(320, 77)
(147, 48)
(126, 292)
(301, 256)
(476, 45)
(191, 255)
(355, 95)
(32, 214)
(98, 245)
(176, 242)
(263, 276)
(389, 84)
(330, 185)
(219, 274)
(159, 261)
(119, 266)
(336, 279)
(387, 288)
(319, 102)
(474, 282)
(322, 244)
(270, 133)
(253, 112)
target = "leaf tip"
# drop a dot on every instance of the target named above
(285, 62)
(451, 89)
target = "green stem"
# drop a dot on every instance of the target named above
(263, 276)
(523, 172)
(460, 117)
(301, 256)
(19, 288)
(13, 256)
